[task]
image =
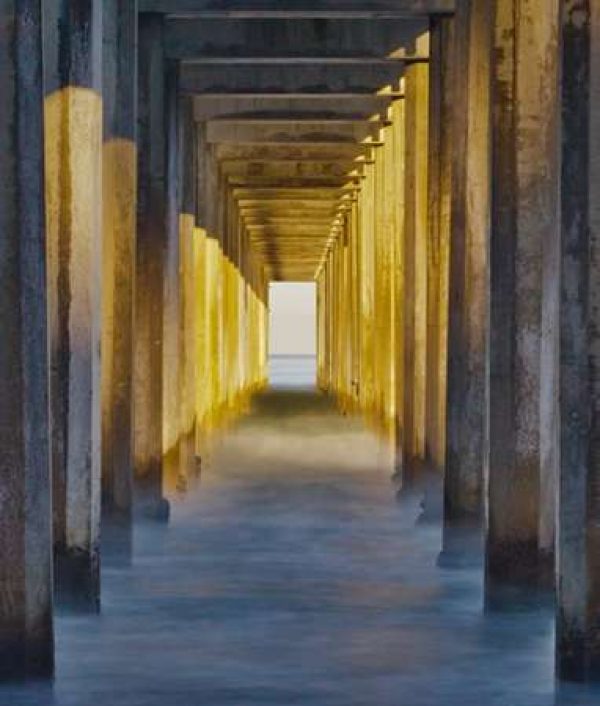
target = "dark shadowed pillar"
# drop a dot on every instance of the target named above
(578, 607)
(150, 256)
(119, 169)
(524, 226)
(467, 317)
(73, 127)
(26, 641)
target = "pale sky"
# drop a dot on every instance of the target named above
(293, 308)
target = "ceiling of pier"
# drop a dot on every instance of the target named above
(292, 97)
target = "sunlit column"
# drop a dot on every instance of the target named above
(119, 186)
(440, 171)
(415, 270)
(73, 133)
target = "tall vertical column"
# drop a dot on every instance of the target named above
(467, 315)
(26, 637)
(73, 125)
(150, 254)
(172, 304)
(415, 270)
(440, 176)
(578, 605)
(119, 167)
(187, 221)
(524, 224)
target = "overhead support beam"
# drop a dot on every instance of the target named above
(326, 151)
(357, 77)
(287, 169)
(283, 132)
(334, 107)
(297, 38)
(248, 9)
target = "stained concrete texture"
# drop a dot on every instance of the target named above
(292, 576)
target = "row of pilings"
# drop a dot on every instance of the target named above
(133, 318)
(458, 308)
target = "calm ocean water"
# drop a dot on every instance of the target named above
(293, 371)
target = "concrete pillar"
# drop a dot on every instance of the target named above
(26, 637)
(467, 317)
(578, 573)
(187, 153)
(438, 251)
(119, 166)
(73, 127)
(172, 304)
(415, 271)
(524, 225)
(150, 254)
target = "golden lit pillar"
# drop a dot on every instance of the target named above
(150, 255)
(73, 132)
(399, 162)
(415, 270)
(119, 187)
(524, 230)
(367, 294)
(468, 282)
(172, 294)
(187, 154)
(26, 634)
(440, 175)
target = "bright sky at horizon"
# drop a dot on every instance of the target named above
(293, 317)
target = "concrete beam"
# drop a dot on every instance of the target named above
(336, 107)
(299, 8)
(26, 632)
(300, 38)
(284, 132)
(358, 77)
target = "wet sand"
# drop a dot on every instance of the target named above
(291, 575)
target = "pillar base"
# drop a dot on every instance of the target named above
(117, 539)
(77, 581)
(34, 660)
(462, 546)
(517, 578)
(156, 510)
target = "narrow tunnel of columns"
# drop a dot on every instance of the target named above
(432, 167)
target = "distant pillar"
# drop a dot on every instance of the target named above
(415, 271)
(172, 304)
(524, 227)
(578, 606)
(467, 322)
(190, 354)
(119, 227)
(150, 265)
(26, 638)
(438, 251)
(73, 124)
